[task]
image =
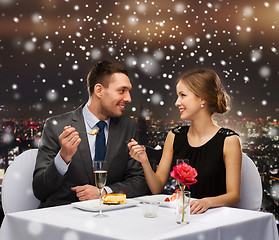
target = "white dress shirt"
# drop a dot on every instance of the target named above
(90, 124)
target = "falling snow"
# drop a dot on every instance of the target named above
(50, 48)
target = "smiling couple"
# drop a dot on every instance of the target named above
(64, 168)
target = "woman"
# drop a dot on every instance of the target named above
(213, 151)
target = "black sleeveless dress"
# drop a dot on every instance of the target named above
(206, 159)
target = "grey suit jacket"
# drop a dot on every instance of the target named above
(124, 173)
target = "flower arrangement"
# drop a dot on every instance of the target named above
(185, 175)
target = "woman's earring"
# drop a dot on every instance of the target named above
(202, 105)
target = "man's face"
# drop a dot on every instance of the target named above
(115, 97)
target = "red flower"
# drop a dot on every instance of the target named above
(185, 174)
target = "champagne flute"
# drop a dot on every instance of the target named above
(100, 173)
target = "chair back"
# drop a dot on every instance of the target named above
(17, 192)
(251, 185)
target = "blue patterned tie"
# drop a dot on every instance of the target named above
(100, 145)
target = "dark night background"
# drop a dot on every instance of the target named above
(47, 48)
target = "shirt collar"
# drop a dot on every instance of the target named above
(91, 119)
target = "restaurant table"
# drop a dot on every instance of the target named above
(70, 223)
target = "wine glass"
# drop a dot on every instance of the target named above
(100, 173)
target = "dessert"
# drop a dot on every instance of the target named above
(173, 196)
(94, 132)
(158, 147)
(114, 198)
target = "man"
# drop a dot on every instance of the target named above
(64, 167)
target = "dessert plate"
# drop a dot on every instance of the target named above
(94, 205)
(158, 198)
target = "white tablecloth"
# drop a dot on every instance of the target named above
(69, 223)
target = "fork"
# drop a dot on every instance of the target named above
(157, 148)
(90, 133)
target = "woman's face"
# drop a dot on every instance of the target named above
(188, 103)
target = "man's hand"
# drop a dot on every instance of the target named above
(87, 192)
(69, 140)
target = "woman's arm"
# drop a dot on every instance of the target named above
(232, 158)
(156, 181)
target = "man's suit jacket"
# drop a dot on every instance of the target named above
(124, 173)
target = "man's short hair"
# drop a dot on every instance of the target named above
(101, 72)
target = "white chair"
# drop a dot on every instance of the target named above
(17, 193)
(251, 185)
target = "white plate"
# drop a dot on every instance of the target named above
(158, 198)
(171, 204)
(94, 205)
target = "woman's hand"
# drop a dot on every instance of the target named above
(137, 151)
(199, 206)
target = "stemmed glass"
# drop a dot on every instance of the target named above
(100, 173)
(182, 160)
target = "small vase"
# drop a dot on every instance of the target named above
(183, 206)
